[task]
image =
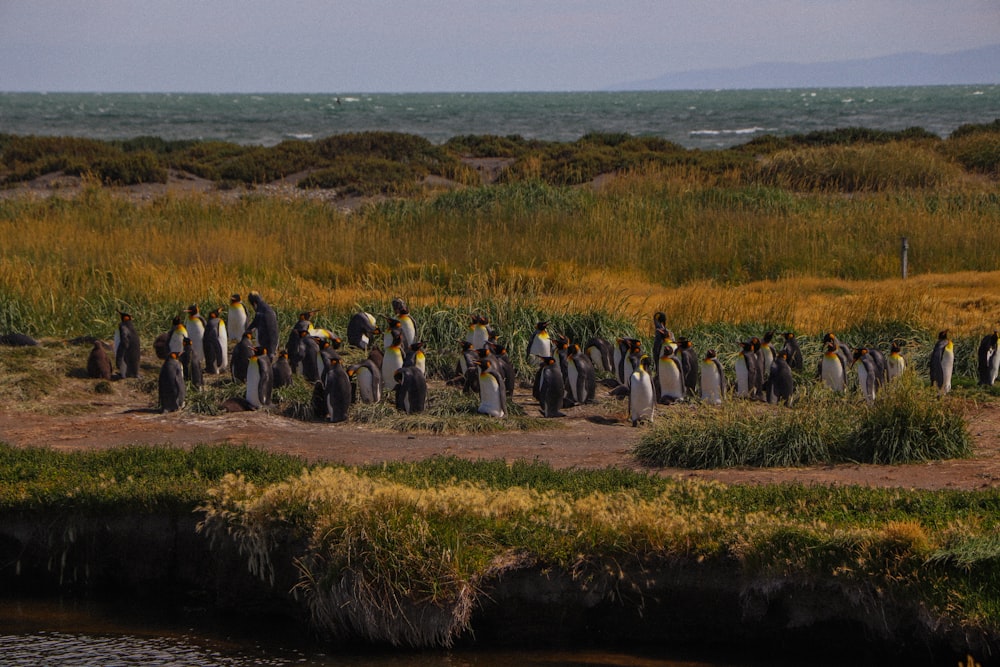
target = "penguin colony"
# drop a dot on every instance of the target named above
(565, 373)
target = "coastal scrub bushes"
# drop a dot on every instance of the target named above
(858, 168)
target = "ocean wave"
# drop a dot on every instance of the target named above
(716, 133)
(299, 135)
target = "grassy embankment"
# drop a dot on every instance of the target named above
(434, 535)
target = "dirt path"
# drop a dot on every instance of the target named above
(586, 438)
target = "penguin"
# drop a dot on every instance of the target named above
(327, 352)
(392, 327)
(689, 364)
(844, 351)
(236, 316)
(18, 340)
(539, 345)
(406, 324)
(767, 349)
(337, 391)
(780, 382)
(942, 362)
(712, 379)
(878, 361)
(479, 332)
(178, 332)
(988, 362)
(126, 347)
(560, 350)
(466, 368)
(265, 322)
(215, 346)
(504, 366)
(791, 344)
(415, 356)
(624, 358)
(392, 361)
(748, 381)
(241, 356)
(311, 362)
(281, 370)
(669, 380)
(867, 372)
(304, 322)
(259, 379)
(549, 388)
(832, 371)
(582, 379)
(760, 369)
(295, 348)
(411, 389)
(368, 379)
(895, 363)
(362, 329)
(195, 325)
(661, 334)
(600, 352)
(98, 362)
(171, 384)
(641, 396)
(492, 398)
(191, 365)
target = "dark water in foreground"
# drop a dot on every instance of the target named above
(34, 633)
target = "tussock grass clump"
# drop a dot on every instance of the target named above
(907, 423)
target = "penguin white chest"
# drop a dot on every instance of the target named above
(489, 395)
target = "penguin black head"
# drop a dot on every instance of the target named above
(306, 315)
(192, 309)
(548, 361)
(943, 335)
(660, 318)
(255, 299)
(709, 355)
(399, 306)
(860, 352)
(894, 349)
(788, 335)
(830, 347)
(213, 314)
(336, 342)
(755, 343)
(783, 355)
(768, 337)
(562, 342)
(125, 317)
(541, 326)
(398, 377)
(235, 298)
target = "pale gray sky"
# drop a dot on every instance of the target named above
(450, 45)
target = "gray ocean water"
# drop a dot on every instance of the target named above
(695, 119)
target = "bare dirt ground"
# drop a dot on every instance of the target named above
(75, 417)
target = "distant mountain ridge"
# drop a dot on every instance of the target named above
(973, 66)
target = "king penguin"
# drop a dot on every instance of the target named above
(712, 379)
(195, 325)
(260, 380)
(641, 397)
(236, 316)
(780, 382)
(171, 384)
(832, 371)
(411, 389)
(867, 373)
(241, 356)
(988, 361)
(392, 361)
(265, 322)
(191, 366)
(126, 347)
(479, 331)
(368, 379)
(216, 345)
(415, 356)
(492, 398)
(178, 332)
(669, 377)
(337, 389)
(539, 345)
(281, 370)
(942, 362)
(896, 363)
(549, 387)
(582, 379)
(600, 352)
(791, 345)
(362, 329)
(406, 324)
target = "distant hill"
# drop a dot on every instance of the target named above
(975, 66)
